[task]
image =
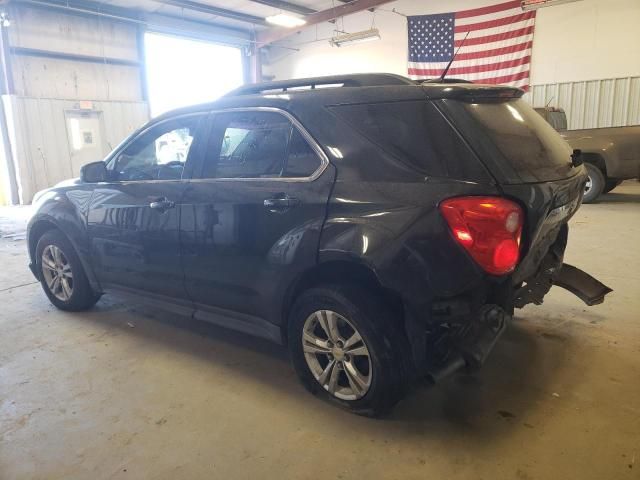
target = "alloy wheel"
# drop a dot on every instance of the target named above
(336, 355)
(57, 273)
(588, 185)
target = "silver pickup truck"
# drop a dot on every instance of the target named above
(611, 155)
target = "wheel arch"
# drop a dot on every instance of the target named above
(597, 160)
(36, 231)
(40, 226)
(337, 271)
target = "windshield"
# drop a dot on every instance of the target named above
(517, 144)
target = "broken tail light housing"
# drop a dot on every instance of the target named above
(488, 228)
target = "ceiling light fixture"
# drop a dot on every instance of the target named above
(356, 37)
(284, 20)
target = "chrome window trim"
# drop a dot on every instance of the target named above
(324, 160)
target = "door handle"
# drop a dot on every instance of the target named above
(280, 203)
(163, 204)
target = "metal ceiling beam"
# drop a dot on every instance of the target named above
(274, 34)
(88, 8)
(220, 12)
(289, 7)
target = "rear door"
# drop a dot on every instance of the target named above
(134, 218)
(252, 216)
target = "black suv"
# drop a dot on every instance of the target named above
(381, 228)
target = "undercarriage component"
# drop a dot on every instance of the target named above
(468, 345)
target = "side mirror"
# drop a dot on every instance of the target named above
(93, 172)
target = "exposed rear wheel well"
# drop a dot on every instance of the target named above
(340, 273)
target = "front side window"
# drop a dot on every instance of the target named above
(160, 153)
(256, 144)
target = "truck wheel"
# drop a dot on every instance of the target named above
(610, 185)
(595, 184)
(61, 273)
(345, 348)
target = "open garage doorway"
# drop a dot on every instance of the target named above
(183, 72)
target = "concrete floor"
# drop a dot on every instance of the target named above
(125, 392)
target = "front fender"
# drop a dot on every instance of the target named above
(66, 210)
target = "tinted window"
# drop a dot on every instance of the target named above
(509, 132)
(417, 134)
(302, 161)
(157, 154)
(248, 145)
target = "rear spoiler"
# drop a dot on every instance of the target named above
(472, 92)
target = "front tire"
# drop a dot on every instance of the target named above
(346, 348)
(595, 184)
(62, 275)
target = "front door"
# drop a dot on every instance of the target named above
(251, 218)
(134, 218)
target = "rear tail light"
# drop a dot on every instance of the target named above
(489, 228)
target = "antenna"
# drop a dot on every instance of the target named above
(446, 70)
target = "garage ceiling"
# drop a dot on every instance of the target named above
(246, 15)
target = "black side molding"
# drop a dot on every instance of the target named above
(581, 284)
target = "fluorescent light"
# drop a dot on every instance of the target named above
(357, 37)
(535, 4)
(284, 20)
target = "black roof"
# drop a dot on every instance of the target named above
(341, 89)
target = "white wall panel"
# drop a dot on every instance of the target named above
(67, 79)
(83, 35)
(611, 102)
(39, 137)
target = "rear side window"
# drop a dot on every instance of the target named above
(417, 134)
(302, 161)
(257, 144)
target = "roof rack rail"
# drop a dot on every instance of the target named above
(355, 80)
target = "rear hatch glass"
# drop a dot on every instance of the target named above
(512, 139)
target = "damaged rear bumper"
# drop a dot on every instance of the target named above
(470, 343)
(588, 289)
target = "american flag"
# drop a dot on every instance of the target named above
(497, 50)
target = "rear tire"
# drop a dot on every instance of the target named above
(62, 275)
(595, 184)
(376, 359)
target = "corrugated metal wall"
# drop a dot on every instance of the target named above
(40, 140)
(612, 102)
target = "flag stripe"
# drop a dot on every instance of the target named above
(506, 78)
(474, 68)
(494, 38)
(468, 63)
(490, 9)
(495, 30)
(482, 76)
(495, 51)
(488, 17)
(494, 45)
(494, 23)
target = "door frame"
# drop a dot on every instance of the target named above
(324, 159)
